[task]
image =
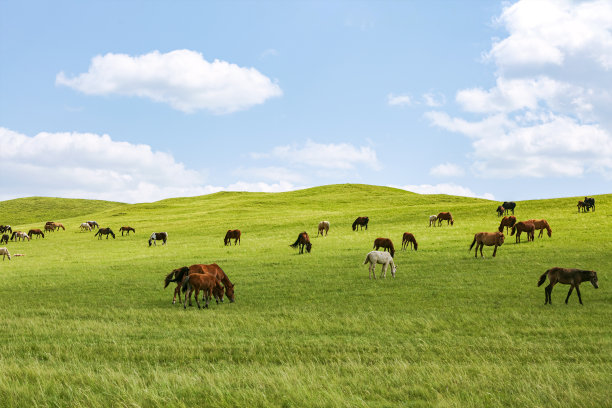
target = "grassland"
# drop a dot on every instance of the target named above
(87, 323)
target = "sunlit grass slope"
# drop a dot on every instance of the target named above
(87, 323)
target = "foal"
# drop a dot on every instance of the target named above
(525, 226)
(200, 281)
(573, 277)
(408, 238)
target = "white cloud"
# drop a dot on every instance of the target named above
(434, 100)
(447, 170)
(399, 100)
(181, 78)
(444, 188)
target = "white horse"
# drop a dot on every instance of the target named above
(378, 257)
(432, 220)
(323, 226)
(4, 252)
(85, 226)
(21, 235)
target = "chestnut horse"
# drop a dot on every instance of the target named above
(303, 240)
(507, 222)
(573, 277)
(385, 243)
(127, 229)
(361, 221)
(179, 274)
(500, 211)
(36, 232)
(509, 205)
(523, 226)
(541, 225)
(216, 270)
(489, 239)
(323, 227)
(200, 282)
(231, 234)
(445, 216)
(104, 231)
(408, 238)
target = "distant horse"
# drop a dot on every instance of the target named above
(216, 270)
(408, 238)
(385, 243)
(4, 252)
(573, 277)
(445, 216)
(323, 227)
(303, 240)
(93, 224)
(582, 206)
(231, 234)
(509, 205)
(36, 232)
(489, 239)
(85, 226)
(378, 257)
(432, 220)
(500, 211)
(179, 274)
(507, 222)
(55, 225)
(127, 229)
(200, 281)
(5, 228)
(14, 234)
(158, 236)
(542, 225)
(590, 203)
(4, 239)
(49, 228)
(21, 236)
(361, 221)
(523, 226)
(104, 231)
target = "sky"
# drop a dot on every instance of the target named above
(138, 101)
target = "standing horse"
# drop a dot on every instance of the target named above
(85, 226)
(4, 239)
(361, 221)
(507, 222)
(36, 232)
(523, 226)
(542, 225)
(432, 220)
(590, 203)
(500, 211)
(573, 277)
(93, 224)
(489, 239)
(408, 238)
(231, 234)
(158, 236)
(303, 240)
(323, 227)
(378, 257)
(385, 243)
(200, 281)
(127, 229)
(509, 205)
(445, 216)
(4, 252)
(104, 231)
(20, 235)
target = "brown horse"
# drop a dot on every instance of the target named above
(216, 270)
(361, 222)
(56, 225)
(573, 277)
(385, 243)
(542, 225)
(4, 239)
(489, 239)
(582, 206)
(507, 222)
(500, 211)
(523, 226)
(303, 240)
(179, 274)
(231, 234)
(445, 216)
(104, 231)
(36, 232)
(49, 228)
(408, 238)
(199, 282)
(127, 229)
(323, 227)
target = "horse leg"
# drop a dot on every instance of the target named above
(383, 274)
(197, 293)
(569, 293)
(578, 292)
(481, 247)
(208, 294)
(494, 251)
(188, 293)
(548, 293)
(177, 289)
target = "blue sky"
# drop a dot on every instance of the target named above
(140, 101)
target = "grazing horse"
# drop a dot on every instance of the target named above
(179, 274)
(158, 236)
(525, 226)
(55, 225)
(231, 234)
(323, 226)
(303, 240)
(432, 220)
(489, 239)
(127, 229)
(408, 238)
(49, 228)
(509, 205)
(93, 224)
(36, 232)
(582, 206)
(378, 257)
(85, 226)
(590, 203)
(4, 239)
(507, 222)
(21, 235)
(541, 225)
(104, 231)
(573, 277)
(385, 243)
(361, 221)
(200, 281)
(5, 228)
(500, 211)
(445, 216)
(216, 270)
(4, 252)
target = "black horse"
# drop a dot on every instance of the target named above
(590, 203)
(105, 231)
(362, 222)
(509, 205)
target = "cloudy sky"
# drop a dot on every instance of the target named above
(139, 101)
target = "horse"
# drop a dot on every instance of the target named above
(445, 216)
(303, 240)
(4, 252)
(541, 225)
(231, 234)
(525, 226)
(573, 277)
(489, 239)
(158, 236)
(378, 257)
(408, 238)
(93, 224)
(216, 270)
(589, 202)
(85, 226)
(49, 228)
(104, 231)
(500, 211)
(199, 281)
(323, 226)
(5, 228)
(36, 232)
(507, 222)
(582, 206)
(127, 229)
(432, 220)
(21, 235)
(4, 239)
(385, 243)
(55, 225)
(361, 221)
(509, 205)
(179, 274)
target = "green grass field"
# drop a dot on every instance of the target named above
(87, 323)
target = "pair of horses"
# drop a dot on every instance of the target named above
(231, 234)
(489, 239)
(187, 279)
(530, 226)
(361, 222)
(572, 277)
(302, 241)
(158, 236)
(18, 235)
(93, 224)
(104, 231)
(52, 226)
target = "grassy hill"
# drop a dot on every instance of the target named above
(88, 323)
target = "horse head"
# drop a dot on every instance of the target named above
(500, 238)
(229, 292)
(594, 281)
(308, 246)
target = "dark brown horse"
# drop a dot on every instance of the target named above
(49, 228)
(127, 229)
(231, 234)
(361, 222)
(200, 282)
(500, 211)
(507, 222)
(323, 227)
(573, 277)
(445, 216)
(408, 238)
(36, 232)
(4, 239)
(489, 239)
(523, 226)
(542, 225)
(385, 243)
(303, 240)
(104, 231)
(582, 206)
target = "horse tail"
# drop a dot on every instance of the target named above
(543, 278)
(169, 279)
(513, 229)
(186, 285)
(367, 259)
(473, 242)
(297, 241)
